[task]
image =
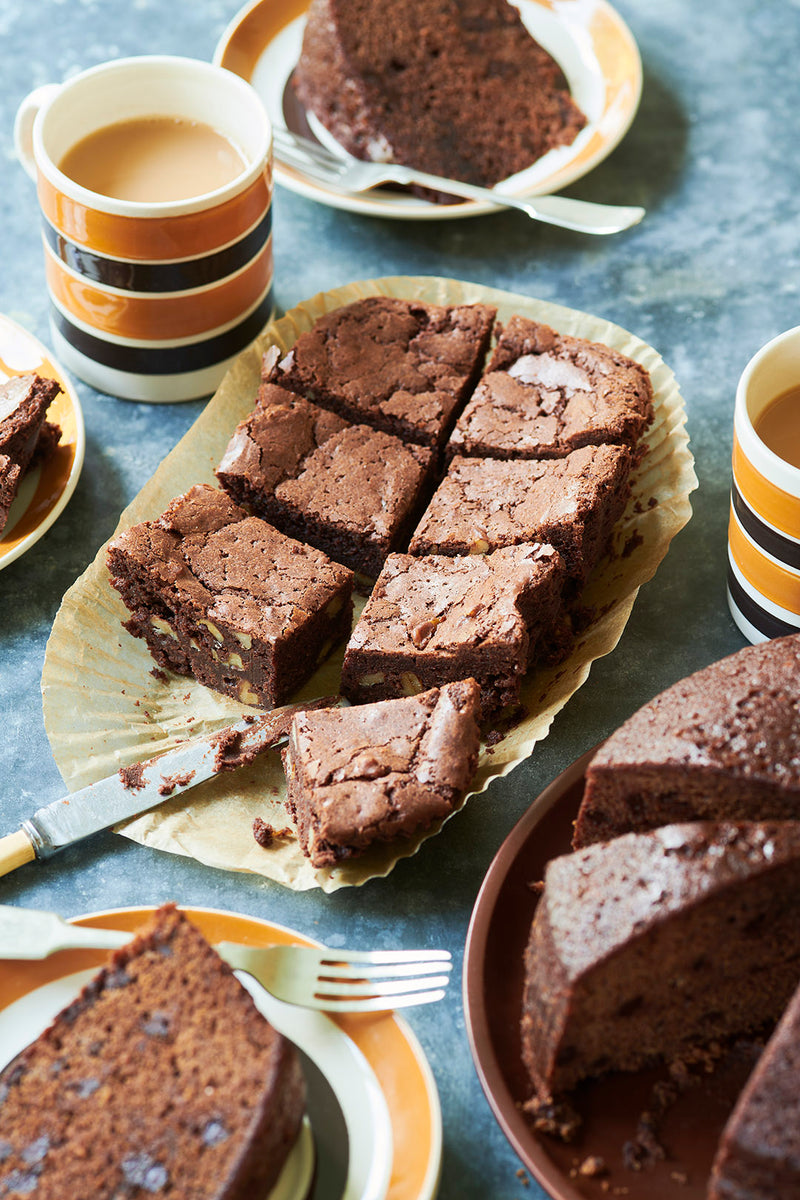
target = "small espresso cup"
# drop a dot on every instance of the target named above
(764, 526)
(152, 300)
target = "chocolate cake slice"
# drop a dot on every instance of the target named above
(379, 772)
(758, 1157)
(161, 1079)
(434, 620)
(544, 394)
(650, 945)
(457, 88)
(399, 365)
(722, 744)
(228, 599)
(573, 503)
(24, 401)
(350, 490)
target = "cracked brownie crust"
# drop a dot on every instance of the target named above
(400, 366)
(572, 503)
(228, 599)
(380, 771)
(438, 619)
(350, 490)
(544, 394)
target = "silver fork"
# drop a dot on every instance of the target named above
(330, 980)
(349, 174)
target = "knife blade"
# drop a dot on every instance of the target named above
(143, 785)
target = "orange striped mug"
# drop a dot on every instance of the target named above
(764, 525)
(152, 299)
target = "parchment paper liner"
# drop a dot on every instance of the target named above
(103, 707)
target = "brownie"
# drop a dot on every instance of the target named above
(758, 1156)
(457, 88)
(227, 598)
(350, 490)
(399, 365)
(433, 620)
(721, 744)
(652, 945)
(544, 393)
(379, 772)
(161, 1078)
(572, 503)
(24, 401)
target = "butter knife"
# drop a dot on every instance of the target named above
(143, 785)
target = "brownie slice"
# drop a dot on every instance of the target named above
(228, 599)
(161, 1078)
(24, 401)
(455, 87)
(350, 490)
(433, 620)
(398, 365)
(572, 503)
(381, 771)
(545, 393)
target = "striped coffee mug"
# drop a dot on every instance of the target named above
(764, 525)
(152, 300)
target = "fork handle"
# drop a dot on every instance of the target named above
(583, 216)
(16, 849)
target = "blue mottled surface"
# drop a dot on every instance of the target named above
(710, 275)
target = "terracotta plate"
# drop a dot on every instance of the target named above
(610, 1108)
(589, 40)
(45, 490)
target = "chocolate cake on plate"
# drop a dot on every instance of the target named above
(758, 1157)
(382, 771)
(721, 744)
(457, 88)
(24, 432)
(161, 1079)
(646, 946)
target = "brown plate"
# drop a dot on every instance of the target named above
(610, 1107)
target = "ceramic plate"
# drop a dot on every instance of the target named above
(610, 1107)
(45, 490)
(591, 42)
(374, 1115)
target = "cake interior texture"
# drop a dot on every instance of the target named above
(644, 947)
(723, 743)
(458, 88)
(161, 1078)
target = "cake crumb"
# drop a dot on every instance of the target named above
(679, 1177)
(558, 1120)
(593, 1166)
(266, 834)
(523, 1177)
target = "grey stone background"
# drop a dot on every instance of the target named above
(710, 275)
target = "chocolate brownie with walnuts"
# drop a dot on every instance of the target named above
(24, 432)
(224, 597)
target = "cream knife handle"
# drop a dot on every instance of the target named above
(16, 849)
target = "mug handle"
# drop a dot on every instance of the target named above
(23, 124)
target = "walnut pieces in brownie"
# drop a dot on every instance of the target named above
(401, 366)
(226, 598)
(382, 771)
(437, 619)
(545, 393)
(350, 490)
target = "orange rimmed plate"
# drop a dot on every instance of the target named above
(393, 1061)
(46, 489)
(588, 38)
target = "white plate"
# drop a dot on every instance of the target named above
(374, 1118)
(588, 38)
(46, 489)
